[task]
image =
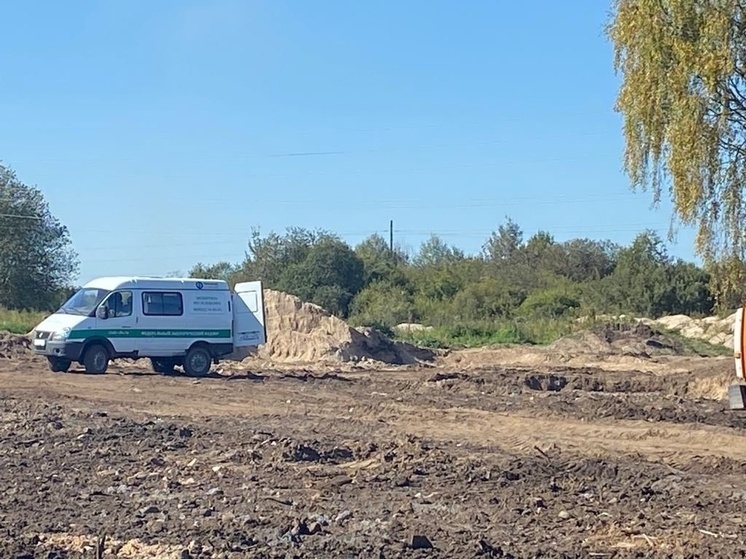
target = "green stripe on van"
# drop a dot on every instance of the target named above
(127, 333)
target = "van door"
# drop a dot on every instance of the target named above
(118, 326)
(249, 328)
(162, 323)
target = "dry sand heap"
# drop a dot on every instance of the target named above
(712, 329)
(301, 332)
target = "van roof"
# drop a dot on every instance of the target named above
(145, 282)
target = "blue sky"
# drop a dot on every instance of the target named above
(161, 132)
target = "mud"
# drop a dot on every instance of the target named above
(496, 462)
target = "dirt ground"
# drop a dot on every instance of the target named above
(462, 458)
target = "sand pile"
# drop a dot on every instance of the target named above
(715, 330)
(302, 332)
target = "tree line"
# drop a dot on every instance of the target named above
(513, 277)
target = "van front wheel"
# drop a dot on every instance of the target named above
(197, 362)
(96, 360)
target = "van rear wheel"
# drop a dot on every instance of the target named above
(96, 360)
(197, 362)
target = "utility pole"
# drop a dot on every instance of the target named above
(391, 236)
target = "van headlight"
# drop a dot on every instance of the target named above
(60, 335)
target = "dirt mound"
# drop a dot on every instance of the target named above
(637, 340)
(715, 330)
(302, 332)
(12, 345)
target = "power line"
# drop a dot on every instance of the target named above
(410, 149)
(243, 241)
(390, 204)
(463, 233)
(429, 203)
(514, 117)
(144, 258)
(421, 203)
(429, 126)
(373, 170)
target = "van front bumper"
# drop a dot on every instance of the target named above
(58, 348)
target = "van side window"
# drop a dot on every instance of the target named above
(159, 303)
(120, 304)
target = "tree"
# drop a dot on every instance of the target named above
(381, 264)
(219, 271)
(435, 252)
(586, 259)
(683, 101)
(539, 246)
(639, 283)
(37, 262)
(330, 276)
(688, 290)
(728, 281)
(504, 243)
(269, 257)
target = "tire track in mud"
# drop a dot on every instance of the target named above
(520, 433)
(587, 410)
(490, 400)
(589, 395)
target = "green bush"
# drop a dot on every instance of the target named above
(382, 305)
(551, 303)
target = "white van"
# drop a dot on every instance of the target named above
(189, 322)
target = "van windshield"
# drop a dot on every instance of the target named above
(84, 302)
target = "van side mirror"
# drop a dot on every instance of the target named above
(102, 312)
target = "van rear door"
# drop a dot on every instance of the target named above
(249, 328)
(739, 337)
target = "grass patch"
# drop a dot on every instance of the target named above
(19, 322)
(698, 346)
(537, 331)
(482, 334)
